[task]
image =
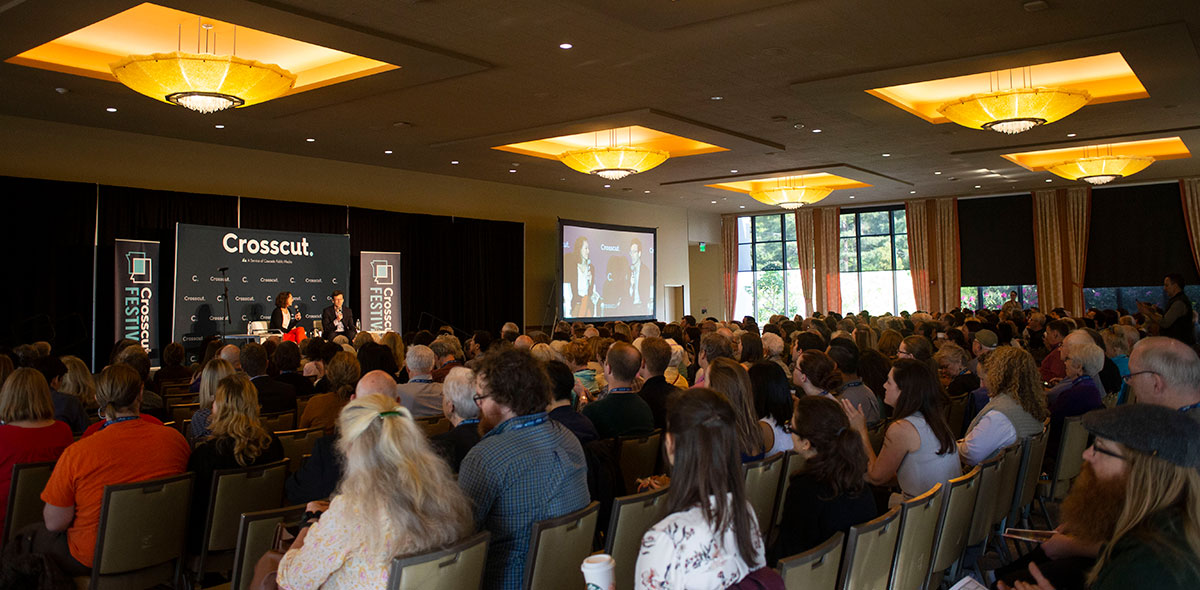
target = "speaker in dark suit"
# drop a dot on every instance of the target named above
(338, 319)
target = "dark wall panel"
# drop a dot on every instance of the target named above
(995, 238)
(1137, 236)
(297, 217)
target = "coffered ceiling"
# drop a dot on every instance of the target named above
(782, 85)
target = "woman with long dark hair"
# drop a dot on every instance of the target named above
(710, 537)
(729, 378)
(918, 448)
(772, 404)
(831, 494)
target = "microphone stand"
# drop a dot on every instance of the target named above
(225, 324)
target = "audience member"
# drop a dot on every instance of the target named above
(873, 368)
(656, 354)
(212, 374)
(622, 412)
(1165, 372)
(1178, 320)
(1015, 410)
(78, 382)
(889, 344)
(562, 385)
(772, 403)
(1082, 393)
(322, 410)
(845, 356)
(816, 374)
(709, 538)
(28, 431)
(728, 378)
(396, 498)
(458, 405)
(273, 394)
(526, 467)
(448, 354)
(67, 407)
(1052, 366)
(287, 359)
(421, 395)
(952, 364)
(985, 340)
(713, 346)
(377, 357)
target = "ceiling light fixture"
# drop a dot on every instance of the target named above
(455, 162)
(816, 130)
(614, 160)
(790, 193)
(1101, 168)
(310, 140)
(938, 172)
(111, 109)
(388, 152)
(218, 126)
(1070, 135)
(565, 46)
(887, 155)
(203, 81)
(1015, 109)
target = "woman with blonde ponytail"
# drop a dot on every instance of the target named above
(397, 497)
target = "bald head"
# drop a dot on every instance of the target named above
(1164, 372)
(623, 362)
(523, 342)
(230, 354)
(376, 382)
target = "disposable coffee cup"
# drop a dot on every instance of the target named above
(598, 571)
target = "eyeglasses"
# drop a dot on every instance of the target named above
(479, 397)
(1129, 377)
(1104, 451)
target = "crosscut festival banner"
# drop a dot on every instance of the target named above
(379, 290)
(136, 293)
(257, 266)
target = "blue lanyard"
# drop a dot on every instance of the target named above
(108, 423)
(1190, 408)
(469, 422)
(420, 380)
(533, 422)
(620, 389)
(846, 386)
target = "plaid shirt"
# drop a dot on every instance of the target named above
(527, 469)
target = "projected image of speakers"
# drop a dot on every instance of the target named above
(608, 271)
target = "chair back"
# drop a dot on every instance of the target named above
(177, 387)
(297, 443)
(815, 569)
(637, 456)
(957, 413)
(631, 517)
(317, 327)
(256, 534)
(182, 396)
(557, 547)
(914, 550)
(793, 463)
(870, 550)
(955, 522)
(433, 425)
(1033, 451)
(278, 421)
(985, 500)
(234, 492)
(762, 487)
(25, 497)
(141, 532)
(1070, 456)
(181, 412)
(257, 327)
(1006, 482)
(455, 568)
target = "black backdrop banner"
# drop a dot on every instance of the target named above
(136, 291)
(261, 264)
(379, 287)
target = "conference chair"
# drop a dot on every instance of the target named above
(182, 397)
(256, 534)
(433, 425)
(297, 443)
(181, 412)
(1067, 463)
(815, 569)
(175, 387)
(762, 488)
(25, 497)
(985, 505)
(870, 550)
(954, 525)
(557, 547)
(632, 516)
(1033, 451)
(637, 456)
(257, 327)
(234, 492)
(279, 421)
(459, 567)
(140, 540)
(1006, 486)
(957, 413)
(793, 463)
(914, 548)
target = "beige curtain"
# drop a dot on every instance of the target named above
(1189, 190)
(933, 253)
(805, 242)
(1061, 219)
(825, 255)
(729, 247)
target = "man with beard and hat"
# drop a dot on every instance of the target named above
(1136, 505)
(525, 468)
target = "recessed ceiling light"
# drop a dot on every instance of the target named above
(887, 155)
(1049, 180)
(1070, 135)
(734, 171)
(714, 202)
(61, 90)
(511, 170)
(977, 186)
(310, 140)
(912, 192)
(565, 46)
(816, 130)
(387, 151)
(455, 162)
(851, 196)
(608, 186)
(717, 97)
(741, 206)
(218, 126)
(938, 172)
(647, 192)
(111, 109)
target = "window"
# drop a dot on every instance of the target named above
(874, 262)
(768, 278)
(994, 297)
(1127, 297)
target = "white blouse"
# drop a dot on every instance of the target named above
(682, 552)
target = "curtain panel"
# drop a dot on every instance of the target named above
(805, 242)
(1189, 189)
(729, 248)
(1061, 220)
(934, 255)
(828, 278)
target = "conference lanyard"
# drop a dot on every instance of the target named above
(108, 423)
(420, 380)
(620, 389)
(469, 422)
(1190, 408)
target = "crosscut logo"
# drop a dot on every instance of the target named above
(139, 268)
(137, 314)
(235, 245)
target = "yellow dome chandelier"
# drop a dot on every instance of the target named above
(613, 161)
(203, 82)
(1101, 168)
(1014, 110)
(789, 195)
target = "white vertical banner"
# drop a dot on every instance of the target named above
(380, 291)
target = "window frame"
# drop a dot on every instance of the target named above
(858, 236)
(785, 267)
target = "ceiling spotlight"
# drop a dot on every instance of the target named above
(887, 155)
(1049, 180)
(714, 202)
(218, 126)
(734, 171)
(977, 186)
(511, 170)
(310, 140)
(111, 109)
(717, 97)
(647, 192)
(455, 162)
(938, 172)
(851, 196)
(387, 152)
(816, 130)
(912, 192)
(741, 206)
(608, 186)
(565, 46)
(61, 90)
(1070, 135)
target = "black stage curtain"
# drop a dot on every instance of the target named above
(1137, 237)
(995, 237)
(143, 214)
(49, 243)
(468, 273)
(290, 216)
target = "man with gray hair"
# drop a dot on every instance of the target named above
(510, 331)
(459, 407)
(421, 395)
(650, 330)
(449, 354)
(1165, 372)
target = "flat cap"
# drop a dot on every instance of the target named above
(987, 338)
(1154, 430)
